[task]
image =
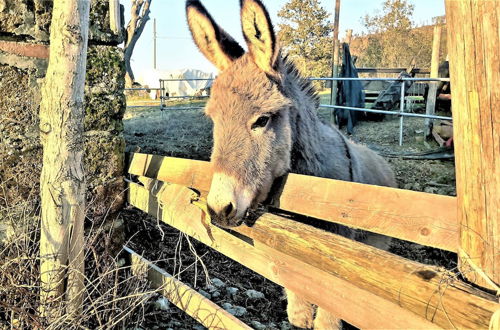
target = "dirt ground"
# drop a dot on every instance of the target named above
(187, 133)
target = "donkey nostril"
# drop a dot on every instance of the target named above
(228, 209)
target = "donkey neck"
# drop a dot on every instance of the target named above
(308, 155)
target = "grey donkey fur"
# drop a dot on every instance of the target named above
(265, 125)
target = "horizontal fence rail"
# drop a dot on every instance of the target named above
(418, 217)
(143, 89)
(183, 296)
(368, 287)
(378, 79)
(185, 97)
(187, 79)
(386, 112)
(392, 70)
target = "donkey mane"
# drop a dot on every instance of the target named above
(320, 149)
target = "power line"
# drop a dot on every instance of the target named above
(165, 37)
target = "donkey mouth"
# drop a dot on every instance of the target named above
(249, 219)
(224, 220)
(229, 223)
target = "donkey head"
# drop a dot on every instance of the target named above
(252, 134)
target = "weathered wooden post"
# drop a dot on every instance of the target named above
(474, 49)
(430, 108)
(336, 53)
(62, 180)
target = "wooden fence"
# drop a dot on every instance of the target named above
(384, 290)
(367, 287)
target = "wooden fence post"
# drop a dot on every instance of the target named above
(62, 185)
(430, 108)
(336, 54)
(473, 45)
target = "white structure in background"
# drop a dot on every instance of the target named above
(152, 78)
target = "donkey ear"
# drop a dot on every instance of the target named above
(259, 34)
(217, 46)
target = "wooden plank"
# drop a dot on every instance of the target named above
(425, 290)
(430, 108)
(474, 50)
(358, 307)
(188, 172)
(25, 49)
(202, 309)
(419, 217)
(414, 216)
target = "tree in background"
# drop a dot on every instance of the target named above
(139, 16)
(305, 35)
(393, 39)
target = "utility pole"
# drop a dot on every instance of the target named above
(335, 57)
(154, 43)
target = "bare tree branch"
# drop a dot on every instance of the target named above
(139, 16)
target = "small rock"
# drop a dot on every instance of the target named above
(211, 288)
(238, 311)
(257, 325)
(430, 190)
(253, 294)
(121, 262)
(227, 306)
(234, 310)
(284, 325)
(205, 293)
(232, 291)
(162, 303)
(218, 283)
(216, 294)
(198, 327)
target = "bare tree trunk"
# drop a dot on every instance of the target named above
(62, 180)
(139, 15)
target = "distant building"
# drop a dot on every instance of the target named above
(152, 78)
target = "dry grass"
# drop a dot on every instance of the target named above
(113, 296)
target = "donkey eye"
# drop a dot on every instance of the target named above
(261, 122)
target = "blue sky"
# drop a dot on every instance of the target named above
(176, 50)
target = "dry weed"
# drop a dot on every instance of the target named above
(113, 297)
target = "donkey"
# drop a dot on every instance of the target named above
(265, 125)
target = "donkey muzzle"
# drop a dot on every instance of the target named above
(227, 201)
(226, 217)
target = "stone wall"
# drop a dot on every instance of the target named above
(24, 44)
